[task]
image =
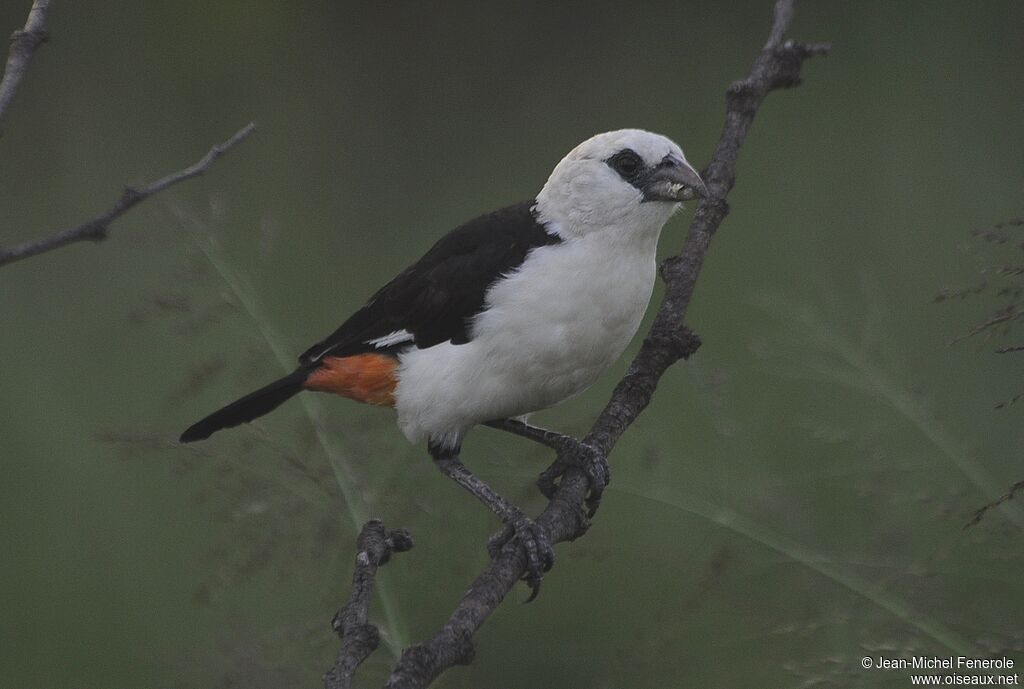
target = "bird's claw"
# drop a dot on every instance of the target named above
(588, 459)
(540, 556)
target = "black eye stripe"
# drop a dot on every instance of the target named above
(627, 163)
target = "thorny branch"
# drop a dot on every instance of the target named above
(23, 45)
(1004, 282)
(776, 67)
(96, 229)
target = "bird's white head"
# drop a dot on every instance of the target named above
(629, 181)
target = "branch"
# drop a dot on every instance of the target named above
(359, 638)
(980, 512)
(777, 66)
(96, 229)
(23, 44)
(1012, 312)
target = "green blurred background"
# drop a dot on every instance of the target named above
(792, 500)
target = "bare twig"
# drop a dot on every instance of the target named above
(777, 66)
(23, 44)
(96, 229)
(1011, 313)
(359, 638)
(1010, 402)
(980, 512)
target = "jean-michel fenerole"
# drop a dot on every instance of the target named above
(947, 663)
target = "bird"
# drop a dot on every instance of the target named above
(510, 313)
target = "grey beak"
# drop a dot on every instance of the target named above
(673, 180)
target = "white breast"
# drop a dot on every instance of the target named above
(549, 330)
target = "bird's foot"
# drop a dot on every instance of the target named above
(540, 556)
(588, 459)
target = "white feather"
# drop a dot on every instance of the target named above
(397, 337)
(553, 326)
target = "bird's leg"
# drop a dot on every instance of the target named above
(553, 439)
(539, 554)
(570, 452)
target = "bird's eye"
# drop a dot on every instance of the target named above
(626, 163)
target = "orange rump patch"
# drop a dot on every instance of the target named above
(368, 378)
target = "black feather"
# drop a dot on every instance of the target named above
(436, 298)
(252, 406)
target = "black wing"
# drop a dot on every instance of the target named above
(434, 300)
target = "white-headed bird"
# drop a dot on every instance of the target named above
(512, 312)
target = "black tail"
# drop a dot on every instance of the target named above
(252, 406)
